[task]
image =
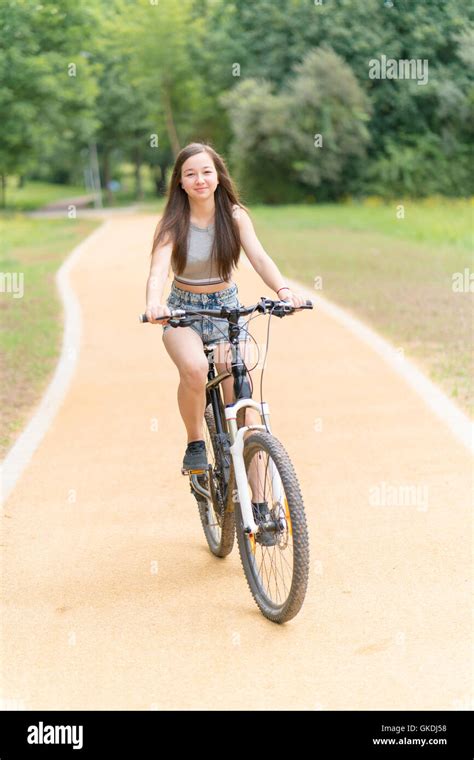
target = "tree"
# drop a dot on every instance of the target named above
(47, 87)
(302, 139)
(267, 39)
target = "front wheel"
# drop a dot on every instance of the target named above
(275, 559)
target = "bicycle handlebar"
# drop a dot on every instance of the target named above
(264, 306)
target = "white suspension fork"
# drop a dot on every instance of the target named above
(237, 450)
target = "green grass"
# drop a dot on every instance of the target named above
(31, 326)
(36, 194)
(395, 274)
(435, 220)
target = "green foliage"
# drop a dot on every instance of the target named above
(267, 39)
(422, 169)
(257, 80)
(302, 139)
(43, 106)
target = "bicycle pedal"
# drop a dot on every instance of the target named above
(194, 472)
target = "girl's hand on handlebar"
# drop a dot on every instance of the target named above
(293, 298)
(155, 313)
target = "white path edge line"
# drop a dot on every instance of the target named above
(28, 441)
(457, 421)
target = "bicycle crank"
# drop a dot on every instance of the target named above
(198, 480)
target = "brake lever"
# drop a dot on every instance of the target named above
(279, 310)
(180, 322)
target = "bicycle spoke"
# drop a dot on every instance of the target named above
(212, 519)
(273, 565)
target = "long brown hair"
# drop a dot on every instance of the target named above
(174, 224)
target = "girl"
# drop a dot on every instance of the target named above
(199, 235)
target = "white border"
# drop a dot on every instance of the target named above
(28, 441)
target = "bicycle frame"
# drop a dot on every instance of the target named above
(237, 470)
(243, 399)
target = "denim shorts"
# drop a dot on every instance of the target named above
(210, 329)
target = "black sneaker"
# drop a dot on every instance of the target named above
(195, 457)
(262, 515)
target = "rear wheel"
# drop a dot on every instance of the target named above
(275, 560)
(218, 525)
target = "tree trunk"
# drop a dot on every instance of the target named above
(4, 191)
(107, 178)
(138, 174)
(160, 179)
(156, 175)
(170, 126)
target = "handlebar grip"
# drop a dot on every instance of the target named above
(173, 313)
(308, 304)
(144, 318)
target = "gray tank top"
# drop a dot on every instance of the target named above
(199, 269)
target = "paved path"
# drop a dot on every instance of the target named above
(111, 599)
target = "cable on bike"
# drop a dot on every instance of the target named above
(251, 337)
(263, 367)
(245, 330)
(211, 320)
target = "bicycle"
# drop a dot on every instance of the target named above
(223, 491)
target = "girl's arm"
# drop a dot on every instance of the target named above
(261, 261)
(159, 270)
